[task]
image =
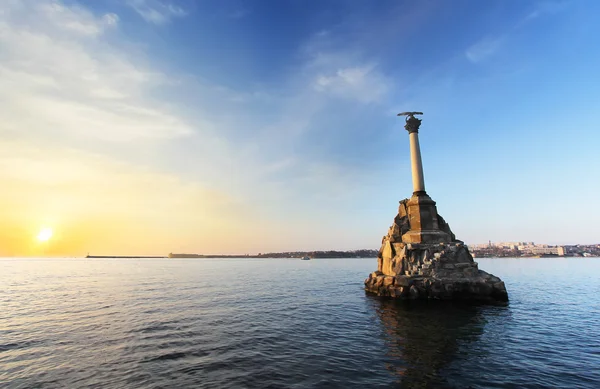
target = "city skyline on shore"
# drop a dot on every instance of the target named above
(159, 126)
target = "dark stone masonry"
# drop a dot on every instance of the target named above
(443, 270)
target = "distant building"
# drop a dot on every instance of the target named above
(547, 250)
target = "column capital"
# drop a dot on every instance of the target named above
(412, 124)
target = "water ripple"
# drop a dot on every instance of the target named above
(252, 323)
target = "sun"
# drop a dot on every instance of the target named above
(45, 234)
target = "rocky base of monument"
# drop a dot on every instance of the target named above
(443, 271)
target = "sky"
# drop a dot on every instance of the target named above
(143, 127)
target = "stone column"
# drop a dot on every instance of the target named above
(422, 212)
(412, 126)
(416, 163)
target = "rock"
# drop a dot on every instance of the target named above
(398, 291)
(431, 263)
(449, 287)
(415, 256)
(398, 248)
(462, 265)
(386, 254)
(428, 271)
(470, 272)
(499, 292)
(402, 219)
(403, 281)
(445, 227)
(398, 267)
(394, 230)
(485, 288)
(463, 256)
(414, 292)
(436, 288)
(499, 285)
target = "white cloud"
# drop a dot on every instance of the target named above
(156, 11)
(544, 8)
(111, 19)
(73, 19)
(362, 83)
(343, 73)
(61, 77)
(74, 88)
(485, 48)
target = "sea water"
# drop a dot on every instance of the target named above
(287, 323)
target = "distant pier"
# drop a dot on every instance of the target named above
(122, 256)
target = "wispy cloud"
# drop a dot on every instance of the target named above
(362, 83)
(342, 72)
(59, 77)
(64, 20)
(485, 48)
(238, 13)
(489, 45)
(156, 11)
(544, 8)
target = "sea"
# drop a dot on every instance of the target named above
(288, 323)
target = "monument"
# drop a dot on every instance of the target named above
(420, 258)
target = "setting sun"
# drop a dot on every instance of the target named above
(45, 234)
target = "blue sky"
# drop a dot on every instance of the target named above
(270, 125)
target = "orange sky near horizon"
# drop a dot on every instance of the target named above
(96, 205)
(103, 206)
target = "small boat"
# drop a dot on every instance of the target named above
(305, 258)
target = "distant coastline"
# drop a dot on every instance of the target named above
(123, 256)
(531, 250)
(477, 252)
(366, 253)
(295, 254)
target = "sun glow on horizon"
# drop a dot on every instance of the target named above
(44, 235)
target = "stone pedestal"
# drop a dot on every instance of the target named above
(423, 219)
(420, 258)
(443, 271)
